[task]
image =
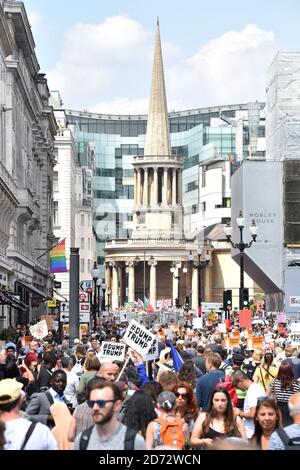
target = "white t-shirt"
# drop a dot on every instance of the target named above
(41, 438)
(254, 392)
(71, 388)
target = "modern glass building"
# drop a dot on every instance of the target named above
(197, 135)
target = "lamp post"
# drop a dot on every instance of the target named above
(241, 246)
(95, 273)
(174, 269)
(103, 287)
(199, 265)
(108, 291)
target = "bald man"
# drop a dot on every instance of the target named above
(292, 431)
(108, 371)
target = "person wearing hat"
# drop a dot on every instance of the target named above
(20, 433)
(8, 366)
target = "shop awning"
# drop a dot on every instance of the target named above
(9, 299)
(32, 289)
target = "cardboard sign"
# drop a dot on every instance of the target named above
(245, 319)
(123, 317)
(40, 330)
(138, 338)
(111, 351)
(281, 318)
(234, 342)
(153, 352)
(197, 323)
(257, 342)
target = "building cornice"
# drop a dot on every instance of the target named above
(5, 36)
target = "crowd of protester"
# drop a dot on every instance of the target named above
(56, 397)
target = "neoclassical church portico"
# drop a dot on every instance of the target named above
(141, 265)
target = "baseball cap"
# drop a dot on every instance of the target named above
(10, 390)
(167, 400)
(76, 341)
(238, 358)
(236, 350)
(10, 345)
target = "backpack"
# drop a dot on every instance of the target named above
(171, 432)
(290, 443)
(128, 441)
(77, 368)
(226, 383)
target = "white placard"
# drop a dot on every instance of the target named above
(138, 338)
(222, 327)
(111, 351)
(123, 317)
(40, 330)
(197, 322)
(153, 352)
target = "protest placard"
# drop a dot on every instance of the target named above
(39, 330)
(257, 342)
(197, 323)
(245, 319)
(222, 327)
(111, 351)
(138, 338)
(153, 352)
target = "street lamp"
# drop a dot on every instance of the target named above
(95, 273)
(103, 287)
(199, 265)
(108, 291)
(174, 269)
(241, 246)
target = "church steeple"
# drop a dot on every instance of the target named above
(158, 137)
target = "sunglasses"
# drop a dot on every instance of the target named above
(100, 403)
(183, 395)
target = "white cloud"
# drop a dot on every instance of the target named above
(229, 69)
(106, 68)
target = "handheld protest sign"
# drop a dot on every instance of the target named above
(222, 327)
(40, 330)
(197, 323)
(153, 352)
(257, 342)
(111, 351)
(234, 342)
(138, 338)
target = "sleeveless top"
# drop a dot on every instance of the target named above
(213, 434)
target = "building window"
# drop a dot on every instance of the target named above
(89, 265)
(55, 181)
(226, 202)
(82, 220)
(82, 265)
(89, 243)
(82, 243)
(89, 219)
(203, 206)
(55, 214)
(203, 182)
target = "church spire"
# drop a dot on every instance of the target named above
(158, 137)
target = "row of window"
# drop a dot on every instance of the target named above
(83, 243)
(86, 263)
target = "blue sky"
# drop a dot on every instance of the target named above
(99, 53)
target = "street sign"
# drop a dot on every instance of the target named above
(84, 307)
(83, 297)
(52, 303)
(208, 306)
(84, 285)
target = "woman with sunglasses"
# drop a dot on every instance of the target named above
(219, 422)
(186, 406)
(267, 419)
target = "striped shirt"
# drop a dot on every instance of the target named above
(275, 443)
(283, 395)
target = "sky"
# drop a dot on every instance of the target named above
(99, 54)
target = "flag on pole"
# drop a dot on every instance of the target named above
(58, 262)
(177, 359)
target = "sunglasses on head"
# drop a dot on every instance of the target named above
(100, 403)
(183, 395)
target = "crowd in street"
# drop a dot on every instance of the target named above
(198, 393)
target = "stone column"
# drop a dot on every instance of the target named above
(107, 282)
(165, 187)
(139, 187)
(135, 186)
(155, 198)
(131, 283)
(195, 288)
(145, 191)
(153, 285)
(174, 189)
(179, 186)
(208, 293)
(115, 287)
(175, 288)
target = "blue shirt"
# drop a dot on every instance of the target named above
(56, 397)
(206, 385)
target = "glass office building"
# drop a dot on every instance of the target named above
(195, 134)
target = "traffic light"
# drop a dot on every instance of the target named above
(177, 303)
(244, 297)
(187, 303)
(227, 303)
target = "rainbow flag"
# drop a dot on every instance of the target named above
(58, 262)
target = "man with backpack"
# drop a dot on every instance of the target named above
(105, 400)
(288, 438)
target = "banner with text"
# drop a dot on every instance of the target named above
(40, 330)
